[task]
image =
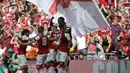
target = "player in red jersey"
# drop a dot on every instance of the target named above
(53, 46)
(43, 50)
(65, 44)
(24, 41)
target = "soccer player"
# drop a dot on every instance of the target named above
(42, 52)
(53, 46)
(64, 40)
(24, 41)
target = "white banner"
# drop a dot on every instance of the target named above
(83, 16)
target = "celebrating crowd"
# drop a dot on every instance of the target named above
(26, 33)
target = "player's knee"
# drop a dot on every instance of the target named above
(39, 67)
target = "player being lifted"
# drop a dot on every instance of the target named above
(58, 47)
(53, 32)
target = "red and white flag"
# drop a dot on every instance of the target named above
(83, 16)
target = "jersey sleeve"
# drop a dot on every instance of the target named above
(67, 35)
(37, 38)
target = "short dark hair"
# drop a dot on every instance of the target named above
(25, 31)
(40, 29)
(61, 21)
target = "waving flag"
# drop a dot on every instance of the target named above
(83, 16)
(48, 6)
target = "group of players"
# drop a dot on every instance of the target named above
(53, 48)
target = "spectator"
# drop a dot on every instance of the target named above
(99, 50)
(92, 54)
(81, 46)
(116, 31)
(106, 39)
(106, 43)
(5, 42)
(13, 61)
(15, 44)
(3, 61)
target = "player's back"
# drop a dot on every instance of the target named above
(42, 45)
(22, 48)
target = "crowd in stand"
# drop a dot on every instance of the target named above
(19, 18)
(113, 42)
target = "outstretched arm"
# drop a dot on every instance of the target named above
(3, 8)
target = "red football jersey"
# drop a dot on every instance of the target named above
(63, 42)
(22, 48)
(43, 45)
(53, 35)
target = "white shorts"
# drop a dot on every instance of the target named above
(61, 56)
(41, 59)
(51, 55)
(22, 60)
(66, 61)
